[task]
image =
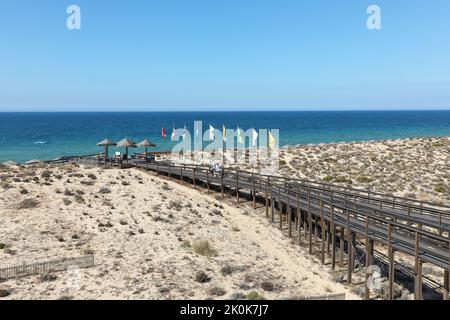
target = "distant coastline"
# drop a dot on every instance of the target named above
(74, 133)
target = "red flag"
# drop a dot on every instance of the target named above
(163, 133)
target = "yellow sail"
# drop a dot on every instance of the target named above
(271, 140)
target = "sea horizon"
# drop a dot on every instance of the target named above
(48, 135)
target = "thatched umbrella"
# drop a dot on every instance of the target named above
(126, 143)
(146, 143)
(106, 143)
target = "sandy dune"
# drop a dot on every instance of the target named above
(152, 239)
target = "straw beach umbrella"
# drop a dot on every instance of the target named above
(126, 143)
(146, 143)
(106, 143)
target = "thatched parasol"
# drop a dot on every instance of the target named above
(146, 143)
(106, 143)
(126, 143)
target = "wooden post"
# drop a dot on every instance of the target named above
(254, 191)
(207, 180)
(333, 240)
(309, 223)
(341, 247)
(391, 263)
(267, 201)
(350, 256)
(221, 184)
(299, 214)
(328, 231)
(418, 271)
(369, 262)
(237, 185)
(322, 256)
(272, 204)
(170, 176)
(280, 207)
(181, 174)
(446, 284)
(289, 215)
(193, 178)
(315, 231)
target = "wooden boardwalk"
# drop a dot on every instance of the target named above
(336, 221)
(335, 218)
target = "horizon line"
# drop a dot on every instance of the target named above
(230, 111)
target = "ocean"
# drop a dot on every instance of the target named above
(44, 136)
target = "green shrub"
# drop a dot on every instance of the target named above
(253, 295)
(202, 277)
(92, 176)
(28, 204)
(204, 248)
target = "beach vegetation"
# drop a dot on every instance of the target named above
(165, 186)
(87, 183)
(6, 185)
(267, 286)
(438, 144)
(441, 188)
(4, 293)
(364, 179)
(79, 198)
(92, 176)
(47, 277)
(68, 193)
(104, 190)
(202, 277)
(29, 203)
(204, 248)
(253, 295)
(237, 296)
(175, 204)
(46, 174)
(216, 291)
(227, 270)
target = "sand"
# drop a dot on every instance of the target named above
(152, 239)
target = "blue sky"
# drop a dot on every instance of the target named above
(224, 55)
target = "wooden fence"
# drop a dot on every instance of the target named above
(46, 267)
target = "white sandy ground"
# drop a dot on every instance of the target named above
(147, 250)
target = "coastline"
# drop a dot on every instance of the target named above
(80, 209)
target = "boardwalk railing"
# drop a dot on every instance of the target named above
(334, 220)
(317, 214)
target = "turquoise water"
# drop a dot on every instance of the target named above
(25, 136)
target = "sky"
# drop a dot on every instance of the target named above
(153, 55)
